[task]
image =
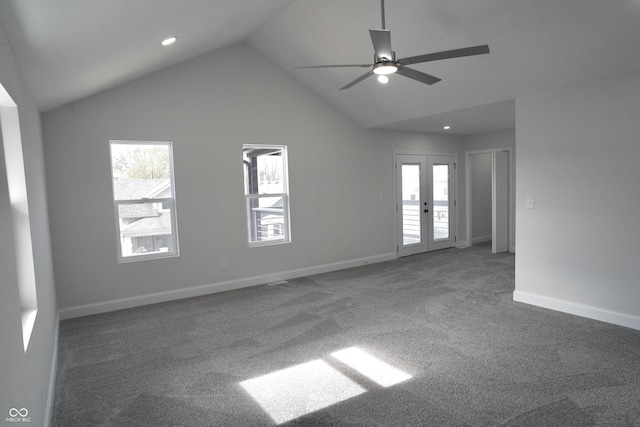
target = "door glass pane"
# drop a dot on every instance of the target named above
(411, 225)
(440, 202)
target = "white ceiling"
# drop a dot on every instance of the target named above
(69, 49)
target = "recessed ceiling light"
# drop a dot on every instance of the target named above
(447, 127)
(168, 41)
(383, 79)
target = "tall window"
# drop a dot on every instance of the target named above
(144, 199)
(266, 191)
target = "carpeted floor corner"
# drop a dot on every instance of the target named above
(446, 318)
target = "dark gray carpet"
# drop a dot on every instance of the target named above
(447, 318)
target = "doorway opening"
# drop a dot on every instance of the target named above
(490, 199)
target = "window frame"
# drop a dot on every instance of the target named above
(162, 201)
(286, 229)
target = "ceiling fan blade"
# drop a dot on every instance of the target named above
(455, 53)
(358, 80)
(418, 75)
(381, 40)
(330, 66)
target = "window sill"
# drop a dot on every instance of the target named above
(145, 257)
(268, 243)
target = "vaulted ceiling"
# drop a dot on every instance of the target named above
(69, 49)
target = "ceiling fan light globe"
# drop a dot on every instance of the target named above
(385, 68)
(383, 79)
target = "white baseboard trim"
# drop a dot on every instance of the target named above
(481, 239)
(461, 244)
(596, 313)
(229, 285)
(52, 375)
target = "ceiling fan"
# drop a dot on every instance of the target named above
(385, 62)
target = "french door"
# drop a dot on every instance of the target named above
(425, 203)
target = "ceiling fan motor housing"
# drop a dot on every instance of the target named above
(385, 67)
(377, 59)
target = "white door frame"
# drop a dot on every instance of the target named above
(452, 191)
(469, 190)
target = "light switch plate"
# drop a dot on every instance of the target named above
(530, 202)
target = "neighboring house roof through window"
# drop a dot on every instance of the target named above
(160, 224)
(145, 219)
(131, 189)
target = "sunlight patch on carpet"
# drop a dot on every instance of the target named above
(302, 389)
(371, 367)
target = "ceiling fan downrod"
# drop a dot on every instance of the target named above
(382, 12)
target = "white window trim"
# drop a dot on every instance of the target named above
(171, 200)
(286, 239)
(12, 164)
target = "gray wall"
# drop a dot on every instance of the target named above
(25, 376)
(208, 108)
(578, 155)
(488, 140)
